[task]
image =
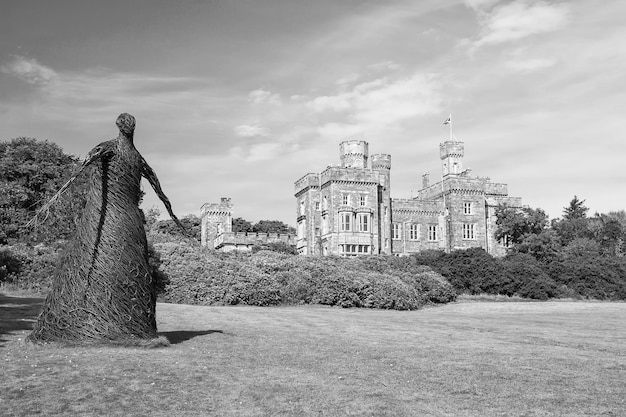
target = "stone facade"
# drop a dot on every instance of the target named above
(217, 230)
(348, 210)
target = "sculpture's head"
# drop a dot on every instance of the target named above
(126, 124)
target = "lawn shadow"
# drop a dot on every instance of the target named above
(180, 336)
(17, 313)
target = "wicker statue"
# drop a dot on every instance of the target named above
(103, 290)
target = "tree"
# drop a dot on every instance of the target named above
(30, 172)
(609, 231)
(273, 226)
(544, 246)
(517, 223)
(575, 224)
(575, 210)
(241, 225)
(192, 224)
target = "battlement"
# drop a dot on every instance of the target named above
(415, 206)
(349, 175)
(381, 161)
(307, 181)
(451, 149)
(224, 207)
(492, 188)
(243, 241)
(354, 153)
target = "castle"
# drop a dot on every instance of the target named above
(347, 210)
(217, 230)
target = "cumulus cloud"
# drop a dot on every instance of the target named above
(518, 20)
(250, 131)
(384, 100)
(29, 70)
(264, 97)
(385, 66)
(521, 60)
(529, 65)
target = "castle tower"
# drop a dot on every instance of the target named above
(216, 218)
(382, 164)
(354, 153)
(451, 154)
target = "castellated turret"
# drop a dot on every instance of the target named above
(354, 153)
(381, 161)
(451, 154)
(216, 218)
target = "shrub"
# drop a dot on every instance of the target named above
(201, 276)
(29, 268)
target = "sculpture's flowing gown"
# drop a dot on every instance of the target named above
(103, 289)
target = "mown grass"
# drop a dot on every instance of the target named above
(461, 359)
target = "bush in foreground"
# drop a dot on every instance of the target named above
(268, 278)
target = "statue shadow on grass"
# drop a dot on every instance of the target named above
(20, 313)
(17, 314)
(180, 336)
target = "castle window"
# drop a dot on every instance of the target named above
(432, 233)
(386, 243)
(324, 225)
(363, 220)
(346, 222)
(363, 200)
(468, 231)
(325, 203)
(414, 232)
(506, 241)
(345, 199)
(301, 229)
(467, 208)
(395, 231)
(317, 205)
(353, 250)
(301, 207)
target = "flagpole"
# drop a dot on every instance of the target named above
(450, 118)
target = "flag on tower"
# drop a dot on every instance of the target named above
(448, 120)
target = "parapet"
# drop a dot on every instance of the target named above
(224, 207)
(307, 181)
(451, 148)
(349, 175)
(381, 161)
(354, 153)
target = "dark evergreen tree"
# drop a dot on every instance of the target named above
(575, 210)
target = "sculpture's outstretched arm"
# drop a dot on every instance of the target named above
(100, 151)
(149, 174)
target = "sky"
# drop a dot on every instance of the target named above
(241, 98)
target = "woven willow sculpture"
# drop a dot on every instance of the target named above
(103, 290)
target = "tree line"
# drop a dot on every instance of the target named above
(577, 256)
(528, 230)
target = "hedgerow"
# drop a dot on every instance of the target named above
(264, 278)
(473, 271)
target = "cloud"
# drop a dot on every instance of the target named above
(384, 101)
(518, 20)
(385, 66)
(264, 97)
(529, 65)
(520, 60)
(250, 131)
(29, 70)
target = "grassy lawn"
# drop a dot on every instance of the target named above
(462, 359)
